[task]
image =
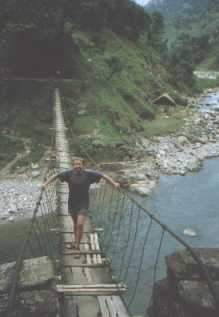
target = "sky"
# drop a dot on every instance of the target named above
(143, 2)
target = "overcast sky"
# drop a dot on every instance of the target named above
(142, 1)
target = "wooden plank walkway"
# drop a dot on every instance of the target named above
(87, 288)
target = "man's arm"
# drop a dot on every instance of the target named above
(111, 181)
(49, 181)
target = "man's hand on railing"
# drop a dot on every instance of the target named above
(117, 185)
(43, 187)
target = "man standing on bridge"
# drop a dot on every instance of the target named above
(79, 180)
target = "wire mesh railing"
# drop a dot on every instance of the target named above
(40, 240)
(136, 243)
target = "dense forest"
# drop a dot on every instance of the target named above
(34, 28)
(193, 24)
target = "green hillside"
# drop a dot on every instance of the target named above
(112, 99)
(197, 19)
(109, 58)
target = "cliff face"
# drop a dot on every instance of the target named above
(185, 292)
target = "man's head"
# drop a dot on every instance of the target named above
(78, 164)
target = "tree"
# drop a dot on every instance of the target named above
(156, 37)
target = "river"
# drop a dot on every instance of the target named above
(190, 201)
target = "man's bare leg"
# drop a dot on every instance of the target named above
(80, 230)
(74, 220)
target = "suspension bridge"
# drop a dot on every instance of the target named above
(122, 251)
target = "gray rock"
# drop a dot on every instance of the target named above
(182, 139)
(35, 272)
(32, 303)
(182, 266)
(35, 173)
(185, 292)
(38, 303)
(196, 296)
(6, 272)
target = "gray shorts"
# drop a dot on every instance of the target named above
(79, 212)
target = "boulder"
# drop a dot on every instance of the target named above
(182, 140)
(182, 266)
(6, 272)
(33, 303)
(185, 292)
(197, 298)
(38, 303)
(35, 272)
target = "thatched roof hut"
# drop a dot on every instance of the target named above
(164, 99)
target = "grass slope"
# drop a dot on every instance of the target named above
(116, 83)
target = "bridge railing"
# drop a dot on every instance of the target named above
(136, 243)
(40, 238)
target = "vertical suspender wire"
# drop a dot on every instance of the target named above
(38, 239)
(119, 227)
(40, 233)
(109, 240)
(155, 265)
(128, 239)
(133, 244)
(141, 261)
(50, 203)
(46, 230)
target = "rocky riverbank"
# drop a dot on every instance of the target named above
(181, 153)
(18, 197)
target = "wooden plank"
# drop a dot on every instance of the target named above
(93, 265)
(96, 242)
(89, 261)
(79, 286)
(70, 242)
(92, 292)
(89, 252)
(112, 308)
(103, 306)
(120, 307)
(93, 247)
(56, 230)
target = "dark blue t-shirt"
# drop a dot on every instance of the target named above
(79, 184)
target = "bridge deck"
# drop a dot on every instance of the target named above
(91, 268)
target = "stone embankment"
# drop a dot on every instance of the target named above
(184, 292)
(35, 290)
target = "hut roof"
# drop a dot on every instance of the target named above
(164, 99)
